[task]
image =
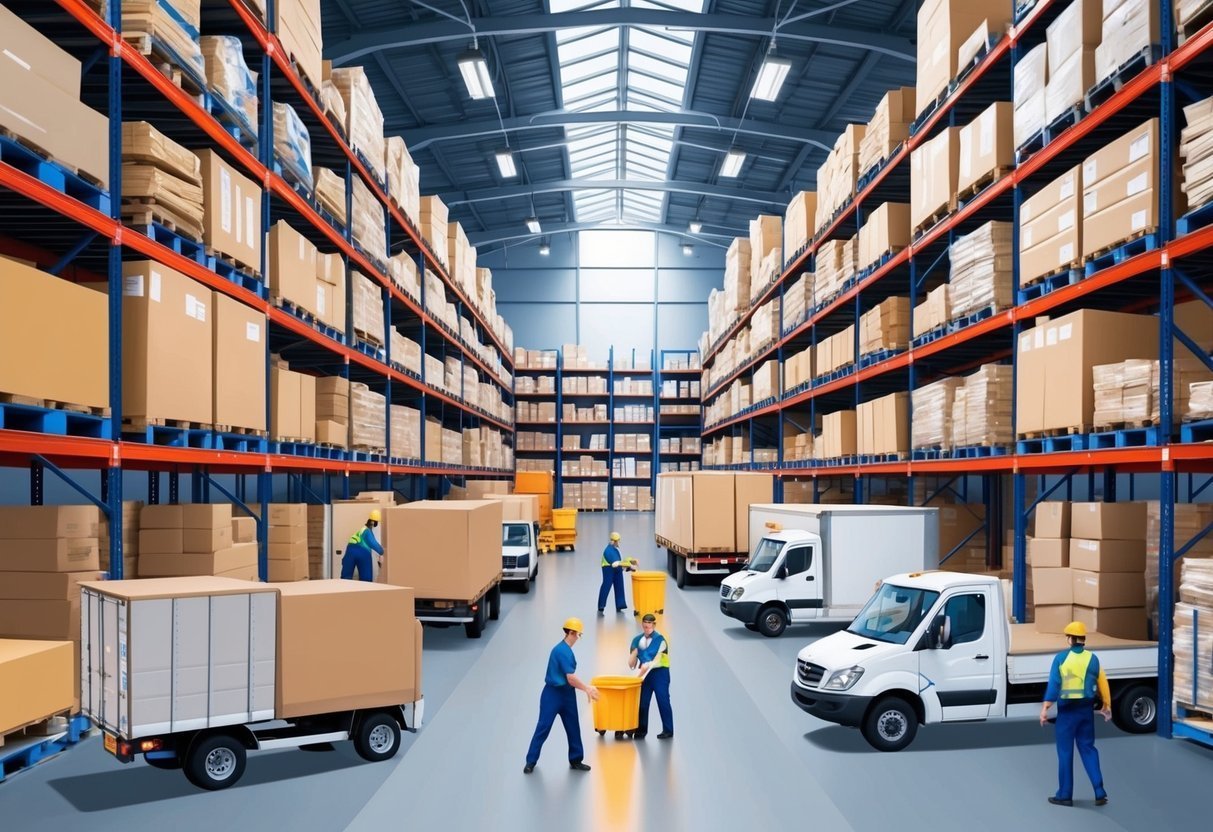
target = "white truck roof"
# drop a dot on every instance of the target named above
(817, 508)
(937, 580)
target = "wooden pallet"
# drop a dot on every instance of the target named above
(1065, 268)
(44, 727)
(368, 449)
(143, 423)
(369, 337)
(34, 147)
(239, 431)
(51, 404)
(1074, 430)
(145, 43)
(143, 212)
(1130, 424)
(937, 217)
(987, 179)
(254, 271)
(1106, 250)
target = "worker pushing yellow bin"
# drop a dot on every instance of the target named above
(648, 593)
(618, 705)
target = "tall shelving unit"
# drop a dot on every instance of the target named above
(671, 383)
(83, 239)
(1149, 276)
(539, 426)
(619, 376)
(582, 429)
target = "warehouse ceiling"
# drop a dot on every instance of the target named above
(621, 112)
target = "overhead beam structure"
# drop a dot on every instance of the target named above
(514, 234)
(504, 192)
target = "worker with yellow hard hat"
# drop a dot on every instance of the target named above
(1074, 681)
(358, 550)
(613, 566)
(559, 698)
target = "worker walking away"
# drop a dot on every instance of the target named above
(559, 698)
(1074, 681)
(358, 550)
(651, 654)
(613, 566)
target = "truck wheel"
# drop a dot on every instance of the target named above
(890, 725)
(1135, 711)
(772, 621)
(680, 572)
(215, 762)
(475, 627)
(669, 563)
(494, 603)
(535, 574)
(378, 738)
(525, 587)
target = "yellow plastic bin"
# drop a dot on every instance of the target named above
(648, 593)
(618, 705)
(564, 518)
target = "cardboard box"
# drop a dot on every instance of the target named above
(748, 489)
(162, 541)
(1108, 589)
(943, 26)
(934, 172)
(1053, 585)
(38, 55)
(204, 540)
(42, 522)
(1109, 521)
(244, 529)
(987, 145)
(1077, 27)
(287, 571)
(799, 220)
(699, 510)
(1051, 520)
(1119, 206)
(206, 516)
(299, 30)
(320, 671)
(1052, 618)
(288, 549)
(443, 549)
(231, 217)
(75, 369)
(49, 554)
(293, 266)
(1069, 82)
(887, 230)
(1048, 552)
(39, 678)
(44, 586)
(1108, 555)
(1118, 622)
(519, 507)
(59, 620)
(239, 364)
(167, 565)
(287, 534)
(167, 357)
(1139, 143)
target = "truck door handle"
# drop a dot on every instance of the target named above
(811, 578)
(980, 657)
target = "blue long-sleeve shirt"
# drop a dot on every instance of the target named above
(1094, 683)
(611, 554)
(366, 538)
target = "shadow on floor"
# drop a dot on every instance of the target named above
(140, 783)
(802, 634)
(967, 737)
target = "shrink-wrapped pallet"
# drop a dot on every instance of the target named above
(932, 417)
(1196, 150)
(402, 268)
(293, 144)
(173, 23)
(988, 401)
(1189, 520)
(332, 103)
(406, 432)
(368, 309)
(369, 221)
(161, 180)
(981, 270)
(1192, 642)
(1200, 401)
(364, 119)
(889, 127)
(368, 417)
(330, 193)
(230, 78)
(403, 178)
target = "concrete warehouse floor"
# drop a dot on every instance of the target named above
(744, 755)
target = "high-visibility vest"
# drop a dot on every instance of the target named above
(1074, 675)
(606, 562)
(356, 538)
(662, 657)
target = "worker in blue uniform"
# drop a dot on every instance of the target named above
(358, 550)
(559, 698)
(1074, 681)
(613, 566)
(651, 654)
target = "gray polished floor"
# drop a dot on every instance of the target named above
(744, 757)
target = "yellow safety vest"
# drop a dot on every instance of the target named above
(356, 538)
(1074, 675)
(606, 562)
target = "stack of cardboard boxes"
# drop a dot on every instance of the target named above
(1196, 149)
(885, 326)
(402, 270)
(1050, 581)
(1129, 28)
(1050, 228)
(798, 369)
(330, 193)
(39, 680)
(982, 270)
(947, 30)
(368, 418)
(317, 546)
(403, 178)
(368, 309)
(1031, 79)
(987, 150)
(882, 425)
(231, 212)
(799, 221)
(368, 221)
(1118, 196)
(433, 227)
(835, 264)
(194, 539)
(287, 555)
(889, 127)
(292, 404)
(364, 119)
(737, 279)
(1190, 638)
(836, 352)
(797, 301)
(932, 419)
(333, 411)
(161, 180)
(887, 231)
(298, 28)
(293, 145)
(934, 178)
(934, 311)
(709, 511)
(1108, 558)
(406, 432)
(1072, 39)
(839, 436)
(981, 409)
(131, 509)
(239, 338)
(837, 176)
(766, 238)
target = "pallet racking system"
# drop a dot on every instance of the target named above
(75, 231)
(1147, 274)
(677, 424)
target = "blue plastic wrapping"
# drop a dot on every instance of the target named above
(230, 79)
(292, 144)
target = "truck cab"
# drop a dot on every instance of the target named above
(779, 585)
(519, 552)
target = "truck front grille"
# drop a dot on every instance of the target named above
(809, 674)
(509, 561)
(726, 591)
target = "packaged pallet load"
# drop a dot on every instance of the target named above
(293, 145)
(798, 222)
(887, 231)
(333, 411)
(368, 309)
(433, 225)
(330, 290)
(889, 127)
(934, 311)
(932, 414)
(231, 221)
(287, 554)
(1196, 150)
(292, 404)
(239, 339)
(1050, 228)
(766, 236)
(298, 28)
(369, 222)
(934, 171)
(403, 179)
(39, 680)
(737, 277)
(364, 119)
(368, 419)
(797, 301)
(292, 264)
(169, 27)
(1130, 27)
(228, 77)
(943, 28)
(988, 400)
(332, 103)
(1072, 39)
(981, 270)
(196, 539)
(837, 176)
(1119, 201)
(987, 150)
(885, 326)
(1200, 402)
(882, 425)
(839, 435)
(161, 181)
(1031, 77)
(330, 193)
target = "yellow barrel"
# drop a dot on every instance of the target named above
(618, 705)
(564, 518)
(648, 593)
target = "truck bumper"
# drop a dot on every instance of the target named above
(744, 611)
(521, 573)
(838, 708)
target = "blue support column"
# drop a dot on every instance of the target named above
(113, 472)
(1166, 599)
(264, 489)
(1019, 584)
(174, 487)
(36, 476)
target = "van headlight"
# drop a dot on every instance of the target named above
(843, 679)
(737, 593)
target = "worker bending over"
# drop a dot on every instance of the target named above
(358, 550)
(651, 653)
(559, 698)
(1074, 680)
(613, 566)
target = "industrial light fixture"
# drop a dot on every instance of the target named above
(532, 225)
(733, 160)
(505, 164)
(545, 249)
(696, 226)
(770, 78)
(475, 71)
(688, 249)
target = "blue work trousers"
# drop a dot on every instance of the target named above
(1076, 726)
(557, 701)
(656, 681)
(357, 557)
(612, 576)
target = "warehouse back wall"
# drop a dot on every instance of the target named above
(625, 289)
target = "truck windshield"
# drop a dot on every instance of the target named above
(893, 614)
(516, 534)
(765, 554)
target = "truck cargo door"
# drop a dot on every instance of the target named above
(960, 669)
(801, 589)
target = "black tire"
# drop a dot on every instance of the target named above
(534, 574)
(215, 762)
(772, 621)
(164, 764)
(890, 725)
(494, 603)
(669, 562)
(525, 587)
(377, 738)
(1135, 711)
(680, 572)
(753, 628)
(475, 627)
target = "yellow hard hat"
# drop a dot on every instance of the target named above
(574, 624)
(376, 515)
(1076, 629)
(614, 537)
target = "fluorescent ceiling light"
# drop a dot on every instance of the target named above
(733, 160)
(475, 71)
(505, 164)
(696, 226)
(770, 78)
(532, 225)
(545, 249)
(688, 249)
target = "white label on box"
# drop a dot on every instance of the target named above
(1039, 338)
(1139, 148)
(17, 60)
(1089, 545)
(1067, 186)
(1025, 213)
(225, 201)
(252, 332)
(200, 311)
(191, 306)
(1025, 237)
(1090, 203)
(1138, 221)
(1050, 336)
(1065, 221)
(987, 133)
(320, 300)
(1137, 184)
(153, 286)
(1066, 253)
(132, 286)
(250, 220)
(1067, 332)
(1089, 170)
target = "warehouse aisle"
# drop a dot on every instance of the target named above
(743, 757)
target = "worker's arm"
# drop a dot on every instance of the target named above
(1105, 695)
(589, 690)
(633, 658)
(368, 539)
(1053, 691)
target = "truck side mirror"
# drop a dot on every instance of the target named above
(782, 572)
(941, 637)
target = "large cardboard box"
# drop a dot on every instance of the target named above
(748, 489)
(1118, 622)
(206, 516)
(240, 556)
(37, 54)
(204, 540)
(44, 586)
(520, 507)
(1052, 520)
(287, 571)
(887, 230)
(1108, 589)
(38, 677)
(987, 145)
(943, 26)
(1109, 521)
(798, 222)
(1137, 144)
(702, 511)
(1052, 618)
(43, 619)
(73, 368)
(231, 216)
(1047, 551)
(320, 670)
(1108, 555)
(294, 270)
(62, 554)
(1119, 207)
(1050, 224)
(162, 541)
(42, 522)
(239, 374)
(167, 357)
(163, 516)
(447, 550)
(1053, 585)
(934, 172)
(299, 30)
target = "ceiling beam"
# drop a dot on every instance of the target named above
(664, 186)
(421, 137)
(480, 239)
(439, 31)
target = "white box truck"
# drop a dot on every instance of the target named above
(519, 553)
(820, 562)
(937, 647)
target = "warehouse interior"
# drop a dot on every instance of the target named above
(350, 347)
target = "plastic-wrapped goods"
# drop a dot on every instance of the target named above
(1129, 26)
(1031, 75)
(960, 424)
(230, 78)
(330, 193)
(403, 178)
(368, 309)
(1190, 520)
(1193, 647)
(368, 418)
(332, 103)
(369, 221)
(293, 144)
(932, 418)
(406, 352)
(1196, 150)
(764, 324)
(403, 270)
(981, 274)
(173, 23)
(837, 176)
(406, 432)
(1188, 372)
(988, 401)
(364, 119)
(797, 301)
(889, 127)
(1109, 382)
(831, 269)
(1200, 401)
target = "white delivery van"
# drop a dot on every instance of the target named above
(937, 647)
(519, 553)
(821, 562)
